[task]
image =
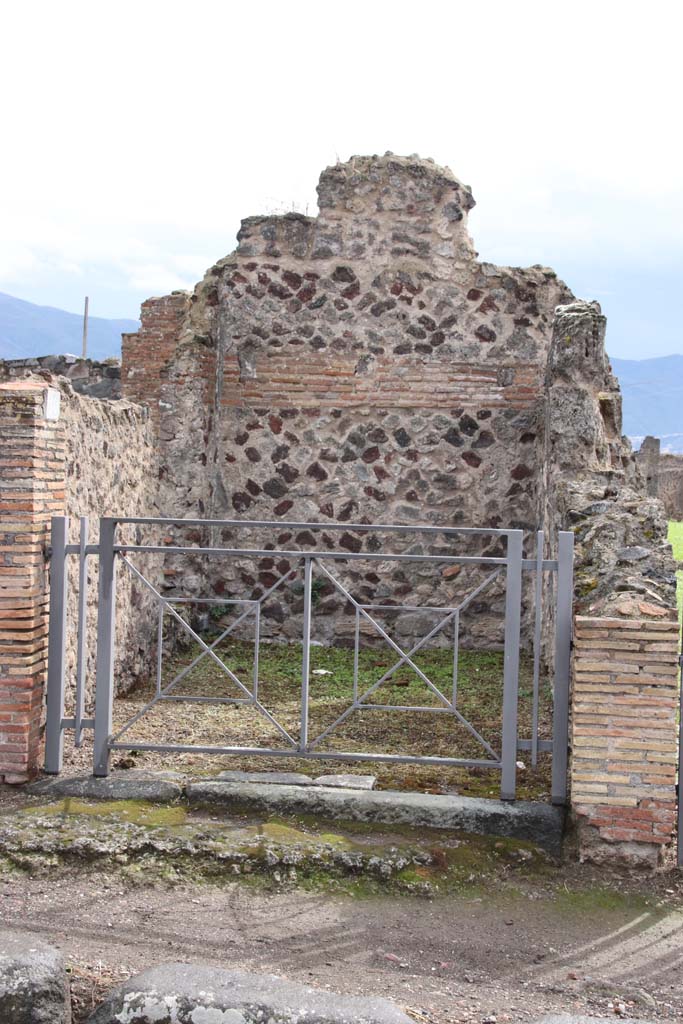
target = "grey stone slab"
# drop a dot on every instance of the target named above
(347, 781)
(195, 994)
(34, 988)
(274, 778)
(539, 823)
(135, 785)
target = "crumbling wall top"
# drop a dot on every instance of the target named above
(387, 207)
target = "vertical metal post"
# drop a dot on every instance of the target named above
(679, 787)
(563, 643)
(257, 645)
(54, 736)
(356, 651)
(160, 645)
(81, 652)
(306, 654)
(538, 608)
(456, 651)
(84, 350)
(104, 684)
(513, 602)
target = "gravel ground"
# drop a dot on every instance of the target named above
(574, 942)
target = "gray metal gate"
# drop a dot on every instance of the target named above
(112, 551)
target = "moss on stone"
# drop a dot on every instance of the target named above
(138, 812)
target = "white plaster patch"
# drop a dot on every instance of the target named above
(51, 404)
(154, 1008)
(212, 1015)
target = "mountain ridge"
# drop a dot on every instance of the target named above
(28, 330)
(652, 391)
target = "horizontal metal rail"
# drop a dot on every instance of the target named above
(347, 527)
(362, 556)
(333, 755)
(528, 564)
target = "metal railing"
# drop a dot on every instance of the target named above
(509, 566)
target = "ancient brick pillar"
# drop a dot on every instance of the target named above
(624, 732)
(144, 355)
(31, 491)
(648, 460)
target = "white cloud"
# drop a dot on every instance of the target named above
(140, 134)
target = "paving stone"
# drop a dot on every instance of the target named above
(34, 988)
(538, 823)
(160, 788)
(192, 993)
(274, 778)
(347, 781)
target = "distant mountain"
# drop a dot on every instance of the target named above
(653, 399)
(27, 330)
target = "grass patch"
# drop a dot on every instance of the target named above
(424, 733)
(676, 541)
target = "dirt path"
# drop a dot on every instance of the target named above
(447, 959)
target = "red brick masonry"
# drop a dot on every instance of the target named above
(31, 491)
(624, 731)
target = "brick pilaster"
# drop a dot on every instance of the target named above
(31, 491)
(144, 355)
(624, 737)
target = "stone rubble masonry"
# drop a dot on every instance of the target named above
(358, 365)
(61, 453)
(663, 472)
(87, 376)
(623, 738)
(110, 467)
(31, 491)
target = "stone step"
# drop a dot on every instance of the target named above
(326, 799)
(538, 823)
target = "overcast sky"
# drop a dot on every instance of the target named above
(136, 135)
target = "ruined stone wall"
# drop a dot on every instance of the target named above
(87, 376)
(671, 485)
(664, 476)
(625, 664)
(63, 453)
(110, 468)
(623, 561)
(361, 366)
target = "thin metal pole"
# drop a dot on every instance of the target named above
(82, 637)
(54, 735)
(104, 682)
(257, 645)
(513, 600)
(85, 329)
(679, 838)
(537, 646)
(456, 651)
(306, 654)
(160, 645)
(356, 647)
(563, 643)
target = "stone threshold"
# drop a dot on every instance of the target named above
(538, 823)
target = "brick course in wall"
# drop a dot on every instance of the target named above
(624, 733)
(31, 491)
